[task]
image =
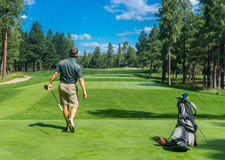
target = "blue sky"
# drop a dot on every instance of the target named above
(94, 22)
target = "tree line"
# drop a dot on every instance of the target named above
(183, 42)
(187, 41)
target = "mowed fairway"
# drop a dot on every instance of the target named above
(119, 120)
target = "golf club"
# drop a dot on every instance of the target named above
(46, 87)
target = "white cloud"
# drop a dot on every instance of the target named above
(132, 9)
(24, 17)
(136, 31)
(194, 2)
(103, 47)
(30, 2)
(81, 37)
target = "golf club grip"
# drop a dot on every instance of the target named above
(60, 107)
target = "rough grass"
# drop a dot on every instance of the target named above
(121, 118)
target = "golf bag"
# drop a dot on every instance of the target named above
(184, 134)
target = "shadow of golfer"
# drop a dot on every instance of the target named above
(44, 126)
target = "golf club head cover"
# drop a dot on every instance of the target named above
(185, 96)
(46, 87)
(161, 141)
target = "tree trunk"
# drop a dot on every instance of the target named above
(176, 75)
(218, 76)
(34, 61)
(222, 67)
(4, 54)
(169, 70)
(204, 72)
(214, 75)
(184, 60)
(208, 68)
(164, 70)
(222, 77)
(150, 73)
(26, 64)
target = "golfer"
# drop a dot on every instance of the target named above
(70, 71)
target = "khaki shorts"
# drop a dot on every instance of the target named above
(68, 94)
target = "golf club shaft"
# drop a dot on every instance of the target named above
(170, 136)
(203, 135)
(57, 100)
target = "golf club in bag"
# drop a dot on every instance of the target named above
(46, 87)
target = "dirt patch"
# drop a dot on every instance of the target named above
(17, 80)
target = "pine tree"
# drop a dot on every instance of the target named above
(125, 47)
(170, 24)
(10, 16)
(142, 48)
(14, 39)
(154, 47)
(37, 41)
(119, 56)
(131, 57)
(96, 58)
(110, 56)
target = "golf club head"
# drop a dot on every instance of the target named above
(46, 87)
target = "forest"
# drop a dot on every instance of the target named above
(187, 40)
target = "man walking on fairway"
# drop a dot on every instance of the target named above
(70, 71)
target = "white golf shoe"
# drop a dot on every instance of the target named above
(71, 125)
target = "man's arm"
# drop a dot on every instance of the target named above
(52, 79)
(82, 84)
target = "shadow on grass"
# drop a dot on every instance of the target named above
(220, 124)
(118, 113)
(149, 84)
(218, 146)
(46, 125)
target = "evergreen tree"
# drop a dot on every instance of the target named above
(50, 35)
(37, 41)
(96, 58)
(142, 48)
(110, 56)
(25, 51)
(170, 23)
(131, 57)
(14, 39)
(85, 62)
(104, 60)
(50, 57)
(119, 56)
(60, 42)
(10, 16)
(124, 50)
(154, 47)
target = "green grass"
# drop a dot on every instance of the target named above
(120, 119)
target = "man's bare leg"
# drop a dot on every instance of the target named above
(66, 114)
(73, 112)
